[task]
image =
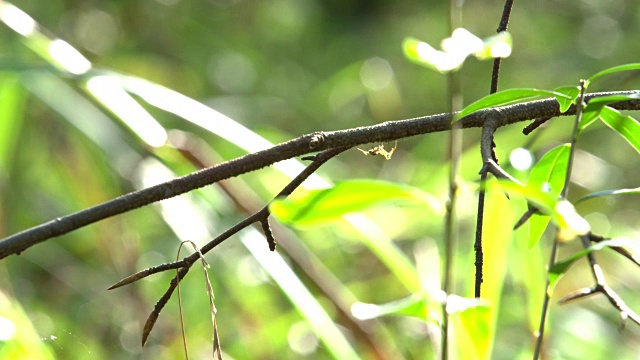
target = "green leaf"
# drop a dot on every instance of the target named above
(455, 49)
(425, 55)
(613, 70)
(550, 172)
(507, 97)
(12, 106)
(561, 267)
(635, 191)
(537, 225)
(610, 99)
(626, 126)
(473, 329)
(546, 181)
(570, 223)
(412, 305)
(589, 116)
(541, 199)
(570, 91)
(594, 107)
(498, 45)
(322, 206)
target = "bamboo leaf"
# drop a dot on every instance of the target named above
(610, 192)
(571, 91)
(322, 206)
(507, 97)
(472, 323)
(547, 175)
(412, 305)
(561, 267)
(626, 126)
(613, 70)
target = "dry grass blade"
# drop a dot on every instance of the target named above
(184, 336)
(217, 351)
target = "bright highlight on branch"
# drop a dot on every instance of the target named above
(456, 49)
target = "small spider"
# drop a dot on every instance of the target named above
(379, 150)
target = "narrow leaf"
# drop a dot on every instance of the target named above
(610, 192)
(571, 91)
(626, 126)
(326, 205)
(613, 70)
(472, 324)
(595, 107)
(541, 199)
(507, 97)
(589, 116)
(549, 173)
(561, 267)
(412, 305)
(537, 225)
(498, 45)
(425, 55)
(544, 196)
(570, 223)
(610, 99)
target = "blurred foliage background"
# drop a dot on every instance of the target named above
(284, 68)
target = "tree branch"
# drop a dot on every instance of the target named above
(387, 131)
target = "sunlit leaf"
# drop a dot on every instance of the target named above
(571, 91)
(561, 267)
(326, 205)
(12, 101)
(570, 223)
(610, 99)
(562, 212)
(537, 225)
(20, 339)
(549, 175)
(541, 199)
(424, 54)
(589, 116)
(413, 305)
(507, 97)
(472, 321)
(613, 70)
(497, 236)
(626, 126)
(498, 45)
(456, 49)
(596, 105)
(634, 191)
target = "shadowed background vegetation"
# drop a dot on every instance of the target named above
(284, 68)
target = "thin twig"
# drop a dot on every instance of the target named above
(387, 131)
(534, 125)
(563, 195)
(601, 287)
(489, 159)
(455, 149)
(188, 261)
